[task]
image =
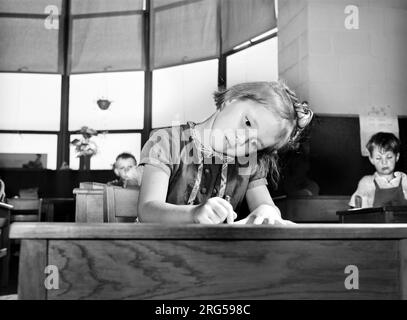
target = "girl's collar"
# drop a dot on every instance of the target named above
(206, 150)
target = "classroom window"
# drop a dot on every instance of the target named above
(256, 63)
(30, 101)
(109, 146)
(125, 90)
(184, 93)
(31, 143)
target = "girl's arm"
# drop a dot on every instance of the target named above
(258, 196)
(153, 208)
(153, 193)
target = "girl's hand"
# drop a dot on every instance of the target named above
(266, 214)
(213, 211)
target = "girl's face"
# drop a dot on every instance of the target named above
(384, 161)
(244, 126)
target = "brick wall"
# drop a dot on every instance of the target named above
(341, 71)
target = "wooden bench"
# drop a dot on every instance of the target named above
(153, 261)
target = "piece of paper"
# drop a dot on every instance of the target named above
(242, 221)
(245, 220)
(377, 119)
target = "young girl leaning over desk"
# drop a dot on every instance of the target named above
(201, 172)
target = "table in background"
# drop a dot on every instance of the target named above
(312, 209)
(89, 205)
(389, 214)
(153, 261)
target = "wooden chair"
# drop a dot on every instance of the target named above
(25, 210)
(120, 204)
(4, 243)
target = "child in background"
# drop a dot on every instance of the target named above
(385, 187)
(125, 168)
(2, 191)
(200, 173)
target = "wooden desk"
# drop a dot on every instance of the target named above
(389, 214)
(147, 261)
(89, 205)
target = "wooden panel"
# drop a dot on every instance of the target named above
(389, 214)
(25, 210)
(153, 269)
(225, 232)
(120, 202)
(94, 210)
(89, 205)
(80, 208)
(33, 260)
(373, 217)
(25, 218)
(24, 204)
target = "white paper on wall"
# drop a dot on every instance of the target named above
(377, 119)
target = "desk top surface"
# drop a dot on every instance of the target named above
(44, 230)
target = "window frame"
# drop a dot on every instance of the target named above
(64, 134)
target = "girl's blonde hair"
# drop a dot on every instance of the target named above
(280, 99)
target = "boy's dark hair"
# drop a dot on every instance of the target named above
(384, 141)
(125, 156)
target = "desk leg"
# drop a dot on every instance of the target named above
(31, 276)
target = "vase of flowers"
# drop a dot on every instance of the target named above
(85, 147)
